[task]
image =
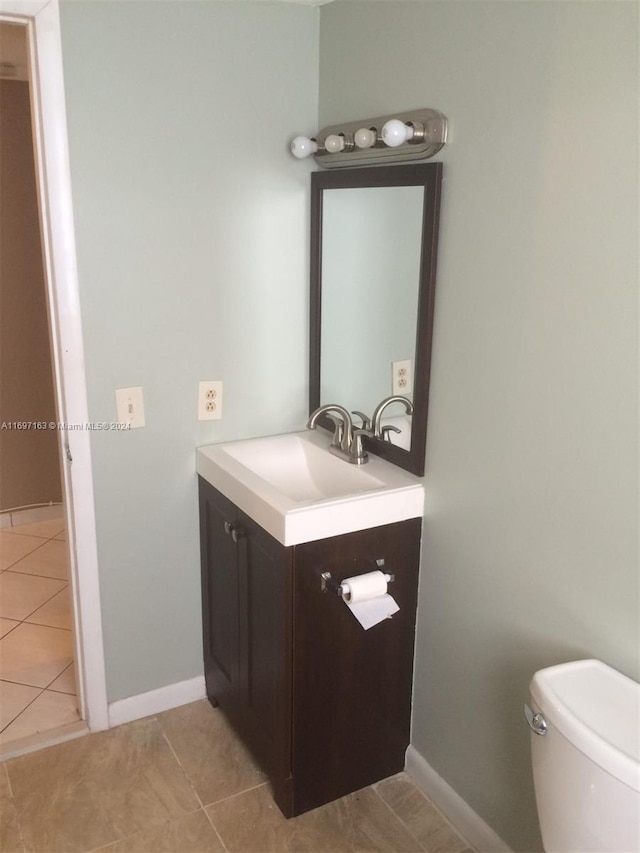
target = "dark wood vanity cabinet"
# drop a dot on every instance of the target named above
(323, 704)
(246, 595)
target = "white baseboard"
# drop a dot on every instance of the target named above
(30, 515)
(156, 701)
(462, 817)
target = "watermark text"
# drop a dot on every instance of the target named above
(100, 426)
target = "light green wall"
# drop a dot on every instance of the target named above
(192, 259)
(530, 553)
(192, 239)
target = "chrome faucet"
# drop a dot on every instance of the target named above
(376, 419)
(347, 441)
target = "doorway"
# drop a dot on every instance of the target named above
(37, 679)
(73, 517)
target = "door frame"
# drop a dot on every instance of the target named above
(42, 21)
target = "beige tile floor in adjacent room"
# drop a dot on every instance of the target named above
(181, 782)
(37, 678)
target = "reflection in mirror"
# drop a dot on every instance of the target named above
(370, 296)
(373, 253)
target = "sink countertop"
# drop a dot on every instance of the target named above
(299, 492)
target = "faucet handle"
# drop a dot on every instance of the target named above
(366, 420)
(338, 431)
(386, 431)
(358, 454)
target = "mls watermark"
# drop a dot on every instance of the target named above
(99, 426)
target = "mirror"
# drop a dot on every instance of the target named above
(373, 262)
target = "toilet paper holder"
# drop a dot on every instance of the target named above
(328, 584)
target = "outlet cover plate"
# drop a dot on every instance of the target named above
(401, 378)
(210, 400)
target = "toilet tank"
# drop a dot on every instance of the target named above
(586, 768)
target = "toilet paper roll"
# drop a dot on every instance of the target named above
(367, 598)
(364, 587)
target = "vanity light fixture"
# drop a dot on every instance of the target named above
(303, 146)
(334, 143)
(395, 138)
(396, 132)
(365, 137)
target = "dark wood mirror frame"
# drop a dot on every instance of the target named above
(429, 176)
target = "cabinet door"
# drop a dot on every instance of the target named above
(246, 605)
(265, 648)
(220, 598)
(352, 688)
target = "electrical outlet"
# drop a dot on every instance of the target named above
(401, 379)
(210, 400)
(130, 407)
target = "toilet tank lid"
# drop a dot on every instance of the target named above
(598, 710)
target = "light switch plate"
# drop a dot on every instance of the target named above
(130, 406)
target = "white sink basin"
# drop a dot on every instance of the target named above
(293, 487)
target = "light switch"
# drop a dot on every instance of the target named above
(130, 406)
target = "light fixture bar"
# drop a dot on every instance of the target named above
(394, 138)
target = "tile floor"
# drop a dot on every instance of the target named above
(181, 782)
(37, 678)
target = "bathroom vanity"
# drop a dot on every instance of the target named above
(323, 704)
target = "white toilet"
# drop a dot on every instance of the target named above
(585, 745)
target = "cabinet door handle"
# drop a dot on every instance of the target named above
(236, 534)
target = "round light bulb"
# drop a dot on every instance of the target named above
(396, 132)
(365, 138)
(334, 143)
(302, 147)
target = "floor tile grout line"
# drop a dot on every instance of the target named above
(397, 816)
(50, 689)
(465, 845)
(52, 627)
(150, 826)
(47, 689)
(20, 683)
(114, 841)
(42, 690)
(28, 554)
(237, 794)
(6, 776)
(60, 692)
(17, 621)
(191, 784)
(38, 625)
(23, 621)
(15, 810)
(13, 532)
(39, 687)
(215, 828)
(44, 624)
(179, 763)
(13, 571)
(42, 604)
(197, 795)
(58, 676)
